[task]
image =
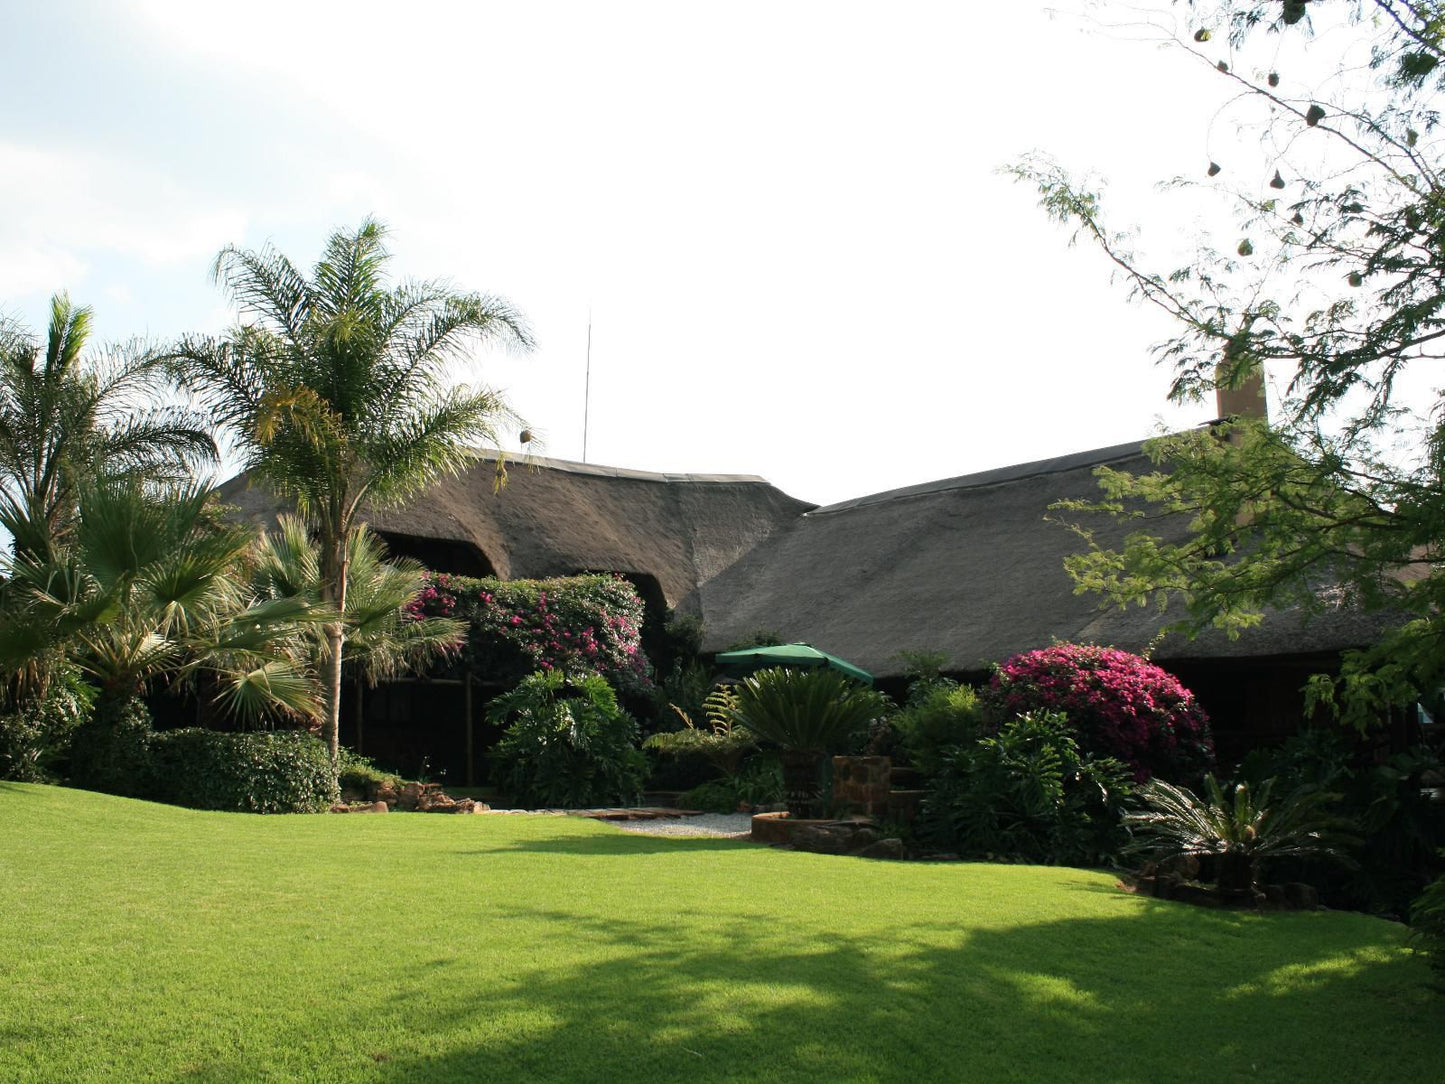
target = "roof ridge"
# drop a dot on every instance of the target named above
(995, 476)
(572, 466)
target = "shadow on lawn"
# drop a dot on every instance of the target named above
(1130, 998)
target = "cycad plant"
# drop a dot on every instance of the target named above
(1238, 827)
(337, 387)
(807, 713)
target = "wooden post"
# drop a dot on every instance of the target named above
(471, 737)
(360, 744)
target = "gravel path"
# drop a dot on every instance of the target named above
(725, 825)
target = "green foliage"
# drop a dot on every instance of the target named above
(360, 774)
(385, 635)
(722, 742)
(810, 711)
(69, 417)
(1027, 793)
(567, 743)
(758, 781)
(283, 771)
(1238, 826)
(1386, 801)
(38, 732)
(1427, 917)
(1342, 293)
(111, 751)
(714, 796)
(151, 583)
(940, 715)
(336, 389)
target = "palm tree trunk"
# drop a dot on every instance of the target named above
(333, 579)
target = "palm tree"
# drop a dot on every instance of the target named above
(337, 389)
(382, 639)
(146, 586)
(67, 417)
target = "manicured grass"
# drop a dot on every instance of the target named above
(140, 942)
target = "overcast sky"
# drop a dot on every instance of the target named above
(785, 218)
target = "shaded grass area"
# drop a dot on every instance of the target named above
(143, 942)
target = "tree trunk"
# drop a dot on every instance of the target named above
(333, 577)
(801, 791)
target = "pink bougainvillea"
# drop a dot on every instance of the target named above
(1119, 705)
(581, 624)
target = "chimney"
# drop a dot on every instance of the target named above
(1244, 401)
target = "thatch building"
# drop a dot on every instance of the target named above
(969, 566)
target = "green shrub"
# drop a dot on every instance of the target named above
(938, 717)
(1427, 917)
(37, 735)
(111, 751)
(1028, 793)
(717, 796)
(283, 771)
(758, 782)
(567, 743)
(806, 713)
(359, 774)
(1386, 801)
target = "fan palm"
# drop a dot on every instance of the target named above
(382, 640)
(337, 389)
(1240, 828)
(147, 586)
(67, 416)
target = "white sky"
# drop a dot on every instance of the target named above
(785, 217)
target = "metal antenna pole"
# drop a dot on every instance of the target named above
(587, 387)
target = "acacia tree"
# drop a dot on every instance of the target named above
(1334, 284)
(336, 387)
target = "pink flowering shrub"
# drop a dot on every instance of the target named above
(577, 624)
(1118, 704)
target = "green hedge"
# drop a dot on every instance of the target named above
(263, 772)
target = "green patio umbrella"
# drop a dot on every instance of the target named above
(740, 663)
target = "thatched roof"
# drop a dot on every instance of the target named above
(556, 518)
(969, 566)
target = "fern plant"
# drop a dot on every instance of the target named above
(721, 742)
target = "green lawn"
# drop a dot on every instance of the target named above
(141, 942)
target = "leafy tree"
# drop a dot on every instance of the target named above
(1334, 284)
(68, 416)
(336, 388)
